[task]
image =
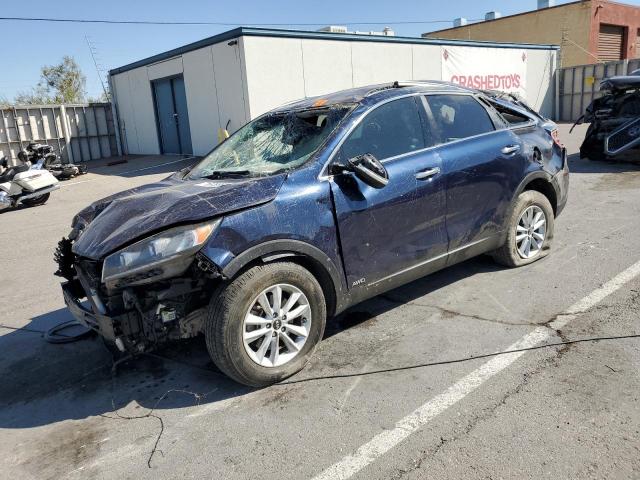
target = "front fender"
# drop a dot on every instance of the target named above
(283, 248)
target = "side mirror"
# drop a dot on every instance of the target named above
(369, 170)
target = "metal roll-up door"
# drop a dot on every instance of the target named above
(610, 42)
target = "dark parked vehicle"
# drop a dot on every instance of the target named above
(308, 210)
(614, 120)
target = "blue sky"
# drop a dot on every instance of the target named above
(28, 46)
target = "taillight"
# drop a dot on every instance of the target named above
(556, 138)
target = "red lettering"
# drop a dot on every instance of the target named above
(488, 82)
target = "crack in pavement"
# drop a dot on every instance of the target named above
(486, 413)
(448, 313)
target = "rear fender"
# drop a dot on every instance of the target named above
(35, 180)
(537, 175)
(530, 177)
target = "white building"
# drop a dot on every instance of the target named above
(176, 101)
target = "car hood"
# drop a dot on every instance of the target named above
(620, 83)
(126, 216)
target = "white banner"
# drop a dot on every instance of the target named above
(502, 69)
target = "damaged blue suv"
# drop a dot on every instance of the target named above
(308, 210)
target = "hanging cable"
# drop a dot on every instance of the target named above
(223, 24)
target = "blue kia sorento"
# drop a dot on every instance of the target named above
(308, 210)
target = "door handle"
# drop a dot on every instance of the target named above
(423, 175)
(510, 149)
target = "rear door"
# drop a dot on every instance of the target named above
(483, 163)
(387, 234)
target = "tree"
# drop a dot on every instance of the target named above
(102, 98)
(61, 83)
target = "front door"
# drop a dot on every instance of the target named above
(172, 116)
(388, 234)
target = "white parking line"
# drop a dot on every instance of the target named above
(385, 441)
(151, 167)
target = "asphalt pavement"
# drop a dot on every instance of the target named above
(566, 411)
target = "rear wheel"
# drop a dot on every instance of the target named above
(530, 231)
(39, 200)
(264, 325)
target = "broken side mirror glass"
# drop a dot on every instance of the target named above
(369, 170)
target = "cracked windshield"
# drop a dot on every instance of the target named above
(271, 144)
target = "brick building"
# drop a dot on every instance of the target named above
(589, 31)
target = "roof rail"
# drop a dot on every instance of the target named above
(415, 83)
(427, 83)
(380, 88)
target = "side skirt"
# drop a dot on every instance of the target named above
(423, 269)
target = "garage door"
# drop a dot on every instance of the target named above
(610, 42)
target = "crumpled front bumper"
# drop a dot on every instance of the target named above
(102, 324)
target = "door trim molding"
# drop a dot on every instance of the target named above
(426, 262)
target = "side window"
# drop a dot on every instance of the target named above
(458, 116)
(511, 117)
(391, 129)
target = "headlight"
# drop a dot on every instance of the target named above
(154, 252)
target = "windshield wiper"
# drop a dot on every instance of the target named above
(217, 174)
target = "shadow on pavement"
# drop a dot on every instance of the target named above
(44, 383)
(585, 165)
(137, 165)
(367, 311)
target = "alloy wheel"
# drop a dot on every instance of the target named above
(277, 325)
(531, 232)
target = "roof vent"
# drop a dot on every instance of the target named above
(459, 22)
(546, 4)
(333, 29)
(492, 15)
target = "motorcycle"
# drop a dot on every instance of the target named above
(59, 169)
(26, 184)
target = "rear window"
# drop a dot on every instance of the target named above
(458, 116)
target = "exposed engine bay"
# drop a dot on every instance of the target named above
(614, 120)
(135, 314)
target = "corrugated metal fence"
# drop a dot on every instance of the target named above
(76, 132)
(580, 85)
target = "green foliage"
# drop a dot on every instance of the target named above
(102, 98)
(35, 97)
(61, 83)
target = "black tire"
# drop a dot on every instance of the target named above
(508, 254)
(39, 200)
(226, 312)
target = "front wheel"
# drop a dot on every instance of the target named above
(530, 231)
(264, 325)
(39, 200)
